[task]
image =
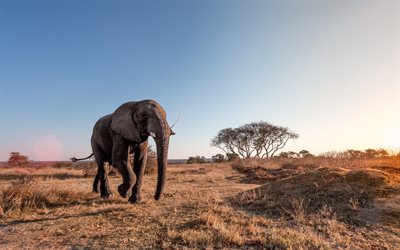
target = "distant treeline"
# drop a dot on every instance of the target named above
(347, 154)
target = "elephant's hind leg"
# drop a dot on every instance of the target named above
(101, 178)
(105, 190)
(96, 182)
(104, 183)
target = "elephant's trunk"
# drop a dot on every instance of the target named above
(162, 141)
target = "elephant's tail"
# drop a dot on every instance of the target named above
(74, 159)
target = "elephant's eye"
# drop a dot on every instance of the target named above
(145, 116)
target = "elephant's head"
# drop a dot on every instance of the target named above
(135, 121)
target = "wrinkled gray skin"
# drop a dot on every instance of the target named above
(126, 131)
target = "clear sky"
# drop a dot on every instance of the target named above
(329, 70)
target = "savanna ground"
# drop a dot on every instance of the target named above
(311, 203)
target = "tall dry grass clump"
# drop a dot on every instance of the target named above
(24, 195)
(221, 226)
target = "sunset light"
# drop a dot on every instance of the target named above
(47, 148)
(328, 71)
(222, 124)
(395, 138)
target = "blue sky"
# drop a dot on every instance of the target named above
(328, 70)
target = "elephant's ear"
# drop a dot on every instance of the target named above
(122, 123)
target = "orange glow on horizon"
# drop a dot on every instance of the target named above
(395, 137)
(47, 148)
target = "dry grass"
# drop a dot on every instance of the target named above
(267, 170)
(25, 196)
(201, 209)
(347, 192)
(12, 173)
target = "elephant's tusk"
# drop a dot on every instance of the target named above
(152, 134)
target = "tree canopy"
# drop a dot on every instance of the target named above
(257, 139)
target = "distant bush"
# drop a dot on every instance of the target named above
(289, 154)
(231, 157)
(151, 165)
(196, 160)
(17, 160)
(305, 154)
(359, 154)
(218, 158)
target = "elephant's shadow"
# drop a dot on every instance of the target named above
(65, 216)
(73, 202)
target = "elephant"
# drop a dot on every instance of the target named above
(125, 132)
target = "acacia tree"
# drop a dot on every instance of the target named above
(257, 139)
(16, 159)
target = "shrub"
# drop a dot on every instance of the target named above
(196, 160)
(218, 158)
(231, 157)
(151, 165)
(16, 159)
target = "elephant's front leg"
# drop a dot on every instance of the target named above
(139, 167)
(119, 159)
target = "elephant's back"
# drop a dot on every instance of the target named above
(101, 137)
(103, 125)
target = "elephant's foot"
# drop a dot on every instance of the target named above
(96, 189)
(124, 192)
(135, 199)
(106, 195)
